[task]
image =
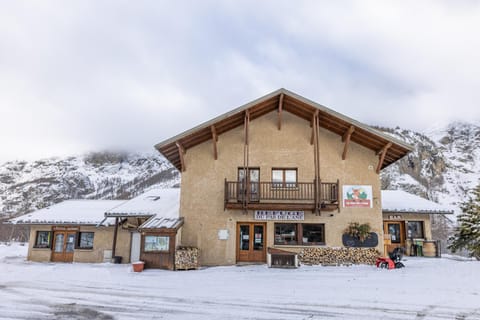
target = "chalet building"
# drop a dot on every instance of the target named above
(145, 228)
(407, 223)
(73, 231)
(280, 172)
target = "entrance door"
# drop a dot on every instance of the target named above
(251, 242)
(63, 246)
(249, 183)
(396, 232)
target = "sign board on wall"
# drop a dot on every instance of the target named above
(357, 196)
(223, 234)
(279, 215)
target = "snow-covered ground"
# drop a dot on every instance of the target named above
(428, 288)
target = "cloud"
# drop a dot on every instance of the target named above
(91, 75)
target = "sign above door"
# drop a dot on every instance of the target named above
(279, 215)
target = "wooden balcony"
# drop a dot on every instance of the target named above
(277, 196)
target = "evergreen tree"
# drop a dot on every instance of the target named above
(467, 233)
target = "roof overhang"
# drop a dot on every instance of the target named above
(328, 119)
(406, 211)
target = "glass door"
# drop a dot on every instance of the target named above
(63, 246)
(249, 183)
(251, 242)
(395, 233)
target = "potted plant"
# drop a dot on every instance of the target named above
(359, 231)
(359, 236)
(138, 266)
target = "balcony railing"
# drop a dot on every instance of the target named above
(299, 194)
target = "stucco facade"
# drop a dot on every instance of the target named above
(203, 180)
(102, 244)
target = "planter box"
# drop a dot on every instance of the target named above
(370, 242)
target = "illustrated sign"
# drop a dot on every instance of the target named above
(279, 215)
(357, 196)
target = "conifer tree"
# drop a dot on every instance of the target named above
(467, 233)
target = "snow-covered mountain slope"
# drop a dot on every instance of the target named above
(27, 186)
(444, 166)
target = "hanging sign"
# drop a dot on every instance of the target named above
(357, 196)
(279, 215)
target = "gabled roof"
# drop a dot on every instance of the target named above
(71, 212)
(399, 201)
(295, 104)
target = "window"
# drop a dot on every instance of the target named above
(85, 240)
(289, 234)
(285, 233)
(313, 234)
(415, 230)
(156, 243)
(43, 239)
(284, 178)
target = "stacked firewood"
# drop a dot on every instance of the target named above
(186, 258)
(338, 256)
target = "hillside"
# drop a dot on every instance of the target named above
(444, 166)
(27, 186)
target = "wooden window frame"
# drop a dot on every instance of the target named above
(50, 240)
(284, 183)
(422, 223)
(79, 237)
(157, 236)
(299, 234)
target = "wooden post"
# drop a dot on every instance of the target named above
(245, 162)
(382, 154)
(346, 138)
(280, 107)
(214, 139)
(115, 231)
(181, 152)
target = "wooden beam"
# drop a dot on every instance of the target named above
(315, 114)
(280, 107)
(346, 138)
(382, 154)
(114, 244)
(214, 140)
(181, 152)
(246, 122)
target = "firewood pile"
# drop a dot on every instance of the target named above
(338, 256)
(186, 258)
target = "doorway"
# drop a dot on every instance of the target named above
(251, 242)
(249, 184)
(396, 232)
(63, 246)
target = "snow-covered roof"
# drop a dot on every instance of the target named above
(164, 203)
(159, 222)
(87, 212)
(401, 201)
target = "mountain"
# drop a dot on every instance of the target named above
(27, 186)
(444, 166)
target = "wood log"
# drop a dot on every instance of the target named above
(338, 256)
(187, 258)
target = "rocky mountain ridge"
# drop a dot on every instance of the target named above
(444, 166)
(27, 186)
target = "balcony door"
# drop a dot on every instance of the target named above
(249, 184)
(251, 242)
(63, 246)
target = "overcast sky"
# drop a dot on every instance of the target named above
(78, 76)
